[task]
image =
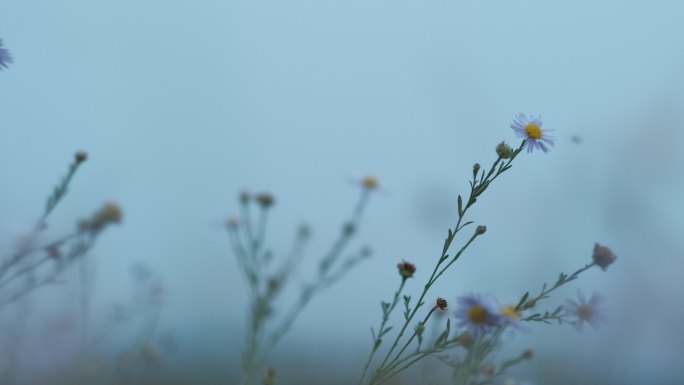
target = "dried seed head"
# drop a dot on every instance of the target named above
(441, 303)
(81, 156)
(406, 269)
(603, 256)
(266, 200)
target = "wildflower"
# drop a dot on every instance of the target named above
(603, 256)
(531, 130)
(477, 313)
(369, 182)
(504, 150)
(5, 57)
(441, 303)
(109, 213)
(406, 269)
(590, 311)
(266, 200)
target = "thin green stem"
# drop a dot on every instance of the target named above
(381, 329)
(477, 188)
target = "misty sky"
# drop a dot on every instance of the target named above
(183, 104)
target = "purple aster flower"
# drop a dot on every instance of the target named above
(531, 130)
(477, 313)
(5, 57)
(591, 312)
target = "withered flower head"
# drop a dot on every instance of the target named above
(266, 200)
(603, 256)
(406, 269)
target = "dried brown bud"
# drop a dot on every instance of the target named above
(479, 230)
(527, 354)
(476, 169)
(266, 200)
(81, 156)
(441, 303)
(406, 269)
(603, 256)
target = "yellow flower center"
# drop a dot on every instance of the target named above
(369, 182)
(509, 312)
(584, 311)
(477, 314)
(533, 131)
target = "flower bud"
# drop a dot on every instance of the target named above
(476, 169)
(245, 197)
(266, 200)
(81, 156)
(504, 151)
(479, 230)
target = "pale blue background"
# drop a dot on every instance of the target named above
(182, 104)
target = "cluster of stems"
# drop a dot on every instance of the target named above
(35, 266)
(266, 283)
(393, 361)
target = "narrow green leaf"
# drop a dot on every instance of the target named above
(522, 300)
